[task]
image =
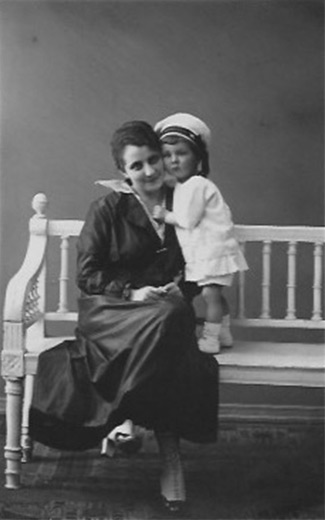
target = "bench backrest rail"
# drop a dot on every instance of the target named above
(292, 235)
(25, 301)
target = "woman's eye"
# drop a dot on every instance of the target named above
(136, 166)
(154, 159)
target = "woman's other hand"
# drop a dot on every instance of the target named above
(172, 288)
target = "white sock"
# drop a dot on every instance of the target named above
(226, 339)
(209, 342)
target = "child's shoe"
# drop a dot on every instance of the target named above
(209, 341)
(225, 338)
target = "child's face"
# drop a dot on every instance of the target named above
(180, 160)
(144, 167)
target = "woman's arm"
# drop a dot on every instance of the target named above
(97, 253)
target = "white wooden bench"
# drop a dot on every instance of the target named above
(27, 316)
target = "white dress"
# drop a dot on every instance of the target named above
(205, 231)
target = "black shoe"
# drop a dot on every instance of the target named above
(174, 508)
(128, 444)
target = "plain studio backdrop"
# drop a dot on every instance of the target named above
(72, 71)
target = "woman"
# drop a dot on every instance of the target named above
(135, 357)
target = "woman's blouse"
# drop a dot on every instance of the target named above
(119, 247)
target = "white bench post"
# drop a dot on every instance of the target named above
(266, 281)
(12, 366)
(63, 279)
(317, 285)
(241, 289)
(291, 285)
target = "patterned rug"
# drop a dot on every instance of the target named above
(249, 474)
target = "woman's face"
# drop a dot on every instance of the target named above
(180, 160)
(144, 167)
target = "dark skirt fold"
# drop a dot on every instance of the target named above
(131, 360)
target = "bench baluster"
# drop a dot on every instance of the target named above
(266, 279)
(12, 449)
(63, 278)
(241, 288)
(291, 285)
(317, 285)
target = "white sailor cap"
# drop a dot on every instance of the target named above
(186, 126)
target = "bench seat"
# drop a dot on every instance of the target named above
(250, 363)
(269, 363)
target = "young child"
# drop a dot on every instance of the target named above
(203, 223)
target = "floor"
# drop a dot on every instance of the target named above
(252, 472)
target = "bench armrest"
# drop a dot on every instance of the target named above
(21, 295)
(24, 299)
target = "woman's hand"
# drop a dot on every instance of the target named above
(147, 293)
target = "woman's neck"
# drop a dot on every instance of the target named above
(152, 199)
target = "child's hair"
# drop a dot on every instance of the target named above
(198, 148)
(136, 133)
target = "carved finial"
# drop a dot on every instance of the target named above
(39, 205)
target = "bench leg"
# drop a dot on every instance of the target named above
(12, 450)
(26, 442)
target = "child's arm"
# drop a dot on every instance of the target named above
(163, 215)
(189, 207)
(170, 218)
(190, 204)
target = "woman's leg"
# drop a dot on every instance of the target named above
(172, 484)
(214, 301)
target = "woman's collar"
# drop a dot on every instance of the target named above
(118, 185)
(121, 186)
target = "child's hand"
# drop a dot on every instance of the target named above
(159, 213)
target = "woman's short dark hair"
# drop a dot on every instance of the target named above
(200, 152)
(136, 133)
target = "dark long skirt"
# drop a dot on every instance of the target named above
(135, 360)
